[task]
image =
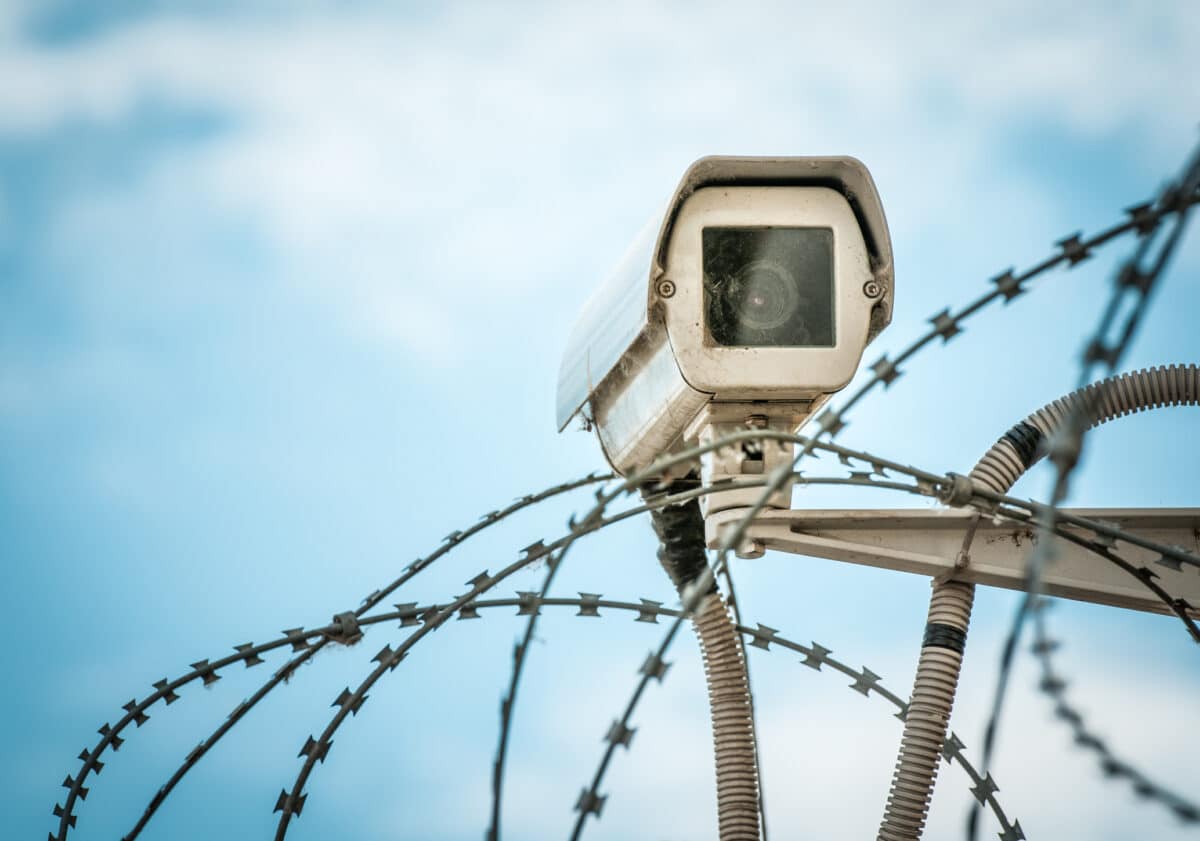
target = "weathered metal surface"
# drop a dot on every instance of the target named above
(927, 543)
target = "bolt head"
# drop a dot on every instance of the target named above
(666, 288)
(872, 289)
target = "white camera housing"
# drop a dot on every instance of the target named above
(750, 301)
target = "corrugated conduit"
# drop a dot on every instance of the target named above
(1150, 388)
(928, 716)
(680, 530)
(1017, 450)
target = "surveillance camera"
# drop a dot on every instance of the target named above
(750, 300)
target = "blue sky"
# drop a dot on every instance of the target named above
(283, 290)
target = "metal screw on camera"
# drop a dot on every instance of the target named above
(872, 289)
(666, 288)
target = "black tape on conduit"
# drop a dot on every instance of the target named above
(1025, 440)
(938, 635)
(681, 550)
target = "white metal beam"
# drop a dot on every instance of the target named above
(928, 541)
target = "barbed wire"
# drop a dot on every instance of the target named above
(166, 691)
(949, 488)
(196, 754)
(343, 629)
(340, 630)
(589, 605)
(1145, 219)
(291, 802)
(1100, 545)
(603, 500)
(1132, 285)
(865, 682)
(998, 505)
(1009, 285)
(508, 700)
(346, 627)
(1053, 685)
(856, 478)
(1071, 251)
(925, 483)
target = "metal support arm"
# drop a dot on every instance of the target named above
(928, 542)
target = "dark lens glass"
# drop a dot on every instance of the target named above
(769, 287)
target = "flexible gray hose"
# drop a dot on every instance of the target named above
(1150, 388)
(733, 722)
(1017, 450)
(680, 530)
(928, 715)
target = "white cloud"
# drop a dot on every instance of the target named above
(380, 153)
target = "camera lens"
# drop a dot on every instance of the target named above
(767, 295)
(769, 287)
